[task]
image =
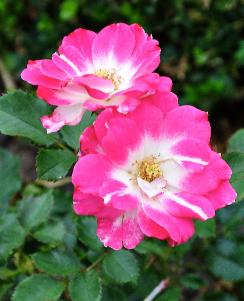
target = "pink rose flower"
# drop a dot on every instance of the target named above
(150, 173)
(95, 70)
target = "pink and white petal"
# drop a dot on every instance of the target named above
(33, 75)
(86, 204)
(110, 232)
(70, 94)
(109, 212)
(179, 229)
(88, 141)
(101, 122)
(187, 121)
(90, 172)
(222, 196)
(96, 85)
(62, 62)
(146, 54)
(92, 105)
(140, 39)
(148, 60)
(150, 228)
(147, 125)
(113, 46)
(122, 137)
(115, 194)
(50, 69)
(121, 201)
(187, 205)
(186, 229)
(63, 115)
(145, 84)
(209, 178)
(82, 40)
(73, 55)
(165, 84)
(120, 231)
(192, 154)
(129, 104)
(155, 82)
(153, 188)
(132, 234)
(164, 101)
(51, 96)
(160, 216)
(173, 173)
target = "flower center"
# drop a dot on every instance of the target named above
(111, 75)
(149, 169)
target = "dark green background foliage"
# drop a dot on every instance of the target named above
(46, 252)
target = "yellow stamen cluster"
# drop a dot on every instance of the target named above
(149, 169)
(111, 75)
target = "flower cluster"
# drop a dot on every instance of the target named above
(146, 166)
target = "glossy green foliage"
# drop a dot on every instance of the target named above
(48, 253)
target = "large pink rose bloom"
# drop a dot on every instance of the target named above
(150, 173)
(95, 70)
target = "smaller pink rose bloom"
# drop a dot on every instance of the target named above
(150, 173)
(95, 70)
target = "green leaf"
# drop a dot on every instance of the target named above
(146, 282)
(8, 273)
(68, 9)
(4, 287)
(20, 116)
(112, 292)
(121, 266)
(217, 296)
(71, 134)
(12, 235)
(86, 287)
(206, 229)
(54, 164)
(70, 238)
(192, 281)
(57, 263)
(62, 201)
(10, 181)
(53, 232)
(34, 211)
(150, 247)
(226, 247)
(171, 294)
(236, 162)
(38, 288)
(87, 233)
(227, 269)
(236, 142)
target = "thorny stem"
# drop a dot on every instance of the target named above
(157, 290)
(49, 184)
